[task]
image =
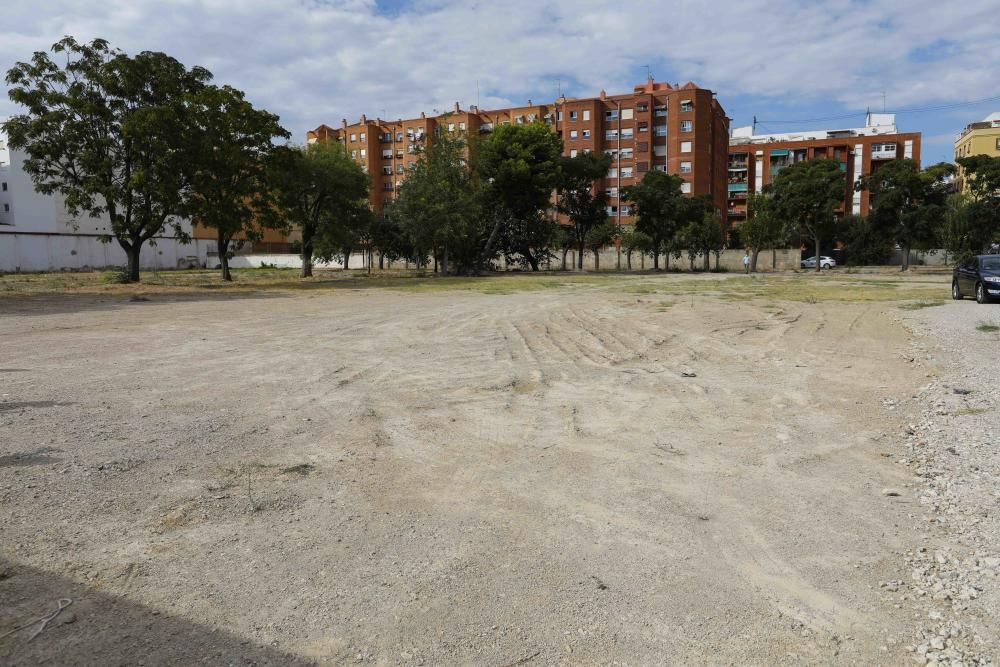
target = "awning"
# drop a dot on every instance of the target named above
(779, 151)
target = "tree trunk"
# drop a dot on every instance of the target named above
(666, 261)
(132, 251)
(381, 261)
(628, 260)
(906, 258)
(565, 252)
(819, 266)
(707, 263)
(444, 260)
(223, 248)
(307, 255)
(753, 260)
(532, 260)
(774, 258)
(656, 260)
(597, 259)
(580, 250)
(347, 257)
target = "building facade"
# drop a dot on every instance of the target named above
(982, 138)
(755, 159)
(682, 130)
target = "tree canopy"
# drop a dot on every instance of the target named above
(807, 194)
(577, 199)
(657, 203)
(107, 131)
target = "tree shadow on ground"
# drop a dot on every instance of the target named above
(103, 629)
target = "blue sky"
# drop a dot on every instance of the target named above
(317, 61)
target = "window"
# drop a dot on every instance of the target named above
(626, 154)
(354, 155)
(626, 210)
(998, 148)
(660, 167)
(461, 126)
(660, 111)
(612, 210)
(387, 171)
(612, 153)
(612, 173)
(410, 132)
(387, 154)
(642, 106)
(660, 130)
(686, 188)
(611, 114)
(399, 136)
(559, 116)
(354, 137)
(451, 127)
(364, 153)
(362, 136)
(686, 125)
(387, 186)
(611, 192)
(686, 106)
(387, 136)
(627, 133)
(399, 169)
(685, 147)
(586, 114)
(6, 208)
(572, 134)
(610, 134)
(685, 167)
(643, 126)
(627, 114)
(573, 115)
(409, 163)
(5, 186)
(573, 153)
(626, 172)
(586, 134)
(399, 154)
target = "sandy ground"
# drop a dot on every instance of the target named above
(454, 477)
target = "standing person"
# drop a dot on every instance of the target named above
(746, 262)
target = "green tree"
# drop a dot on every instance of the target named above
(107, 131)
(807, 194)
(982, 210)
(763, 228)
(598, 237)
(635, 241)
(519, 166)
(657, 201)
(388, 237)
(229, 145)
(864, 242)
(318, 190)
(577, 198)
(908, 204)
(439, 206)
(702, 234)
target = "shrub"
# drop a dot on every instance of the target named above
(116, 276)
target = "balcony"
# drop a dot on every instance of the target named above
(738, 212)
(884, 152)
(737, 188)
(736, 165)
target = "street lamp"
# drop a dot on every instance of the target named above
(618, 174)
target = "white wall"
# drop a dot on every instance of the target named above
(38, 234)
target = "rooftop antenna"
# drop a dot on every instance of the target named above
(754, 131)
(883, 101)
(649, 74)
(558, 88)
(477, 93)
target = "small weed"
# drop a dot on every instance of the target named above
(117, 276)
(921, 304)
(971, 411)
(987, 327)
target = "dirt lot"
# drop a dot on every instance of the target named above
(616, 469)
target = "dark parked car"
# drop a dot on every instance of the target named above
(979, 275)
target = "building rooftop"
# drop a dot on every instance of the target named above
(875, 124)
(991, 121)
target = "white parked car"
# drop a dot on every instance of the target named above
(824, 263)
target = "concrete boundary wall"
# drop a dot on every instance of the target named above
(60, 252)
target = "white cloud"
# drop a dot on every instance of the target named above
(317, 61)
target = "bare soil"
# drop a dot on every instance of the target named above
(633, 469)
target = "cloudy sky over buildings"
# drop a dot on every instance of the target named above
(820, 62)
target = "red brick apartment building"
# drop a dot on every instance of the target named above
(755, 159)
(682, 130)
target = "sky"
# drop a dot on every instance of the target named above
(317, 61)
